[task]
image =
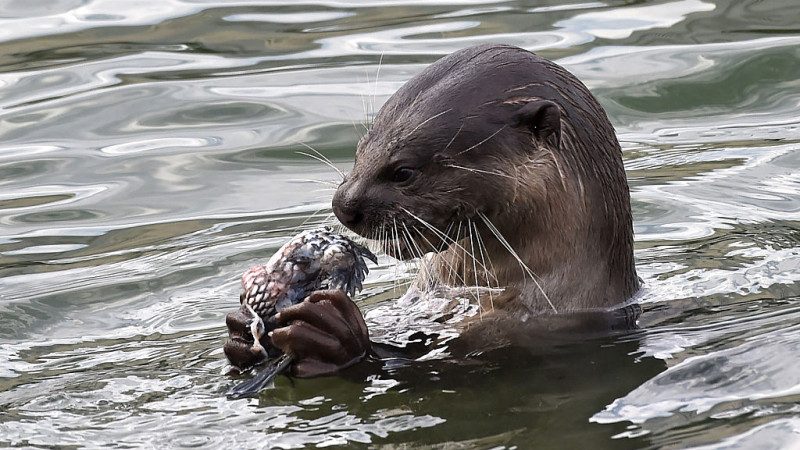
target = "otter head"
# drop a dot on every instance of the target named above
(446, 148)
(489, 134)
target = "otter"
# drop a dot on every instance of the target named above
(498, 143)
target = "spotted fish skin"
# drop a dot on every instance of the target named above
(312, 260)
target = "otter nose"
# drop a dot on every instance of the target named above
(347, 206)
(350, 216)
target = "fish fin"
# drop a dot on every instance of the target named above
(364, 251)
(265, 376)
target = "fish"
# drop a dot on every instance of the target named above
(312, 260)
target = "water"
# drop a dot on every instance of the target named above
(148, 156)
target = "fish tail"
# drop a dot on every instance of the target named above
(262, 379)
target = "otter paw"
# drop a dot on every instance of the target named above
(241, 349)
(325, 333)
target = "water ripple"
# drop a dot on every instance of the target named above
(148, 157)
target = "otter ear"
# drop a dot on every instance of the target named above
(542, 117)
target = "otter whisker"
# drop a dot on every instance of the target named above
(474, 170)
(416, 255)
(450, 264)
(359, 135)
(451, 269)
(486, 273)
(453, 262)
(369, 106)
(399, 251)
(419, 252)
(364, 107)
(379, 243)
(461, 263)
(483, 141)
(474, 261)
(331, 219)
(364, 126)
(513, 253)
(375, 87)
(376, 242)
(318, 153)
(399, 244)
(484, 256)
(384, 241)
(407, 243)
(302, 226)
(387, 239)
(321, 159)
(438, 232)
(454, 136)
(311, 180)
(410, 240)
(379, 240)
(371, 241)
(424, 122)
(447, 231)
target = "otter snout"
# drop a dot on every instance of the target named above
(349, 216)
(347, 208)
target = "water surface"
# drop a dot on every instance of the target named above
(148, 155)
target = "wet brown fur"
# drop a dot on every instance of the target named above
(551, 180)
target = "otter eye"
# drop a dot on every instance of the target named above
(402, 174)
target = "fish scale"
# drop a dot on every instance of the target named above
(312, 260)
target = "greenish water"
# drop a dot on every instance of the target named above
(148, 157)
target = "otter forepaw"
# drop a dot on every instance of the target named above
(325, 333)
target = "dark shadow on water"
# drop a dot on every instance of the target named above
(532, 398)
